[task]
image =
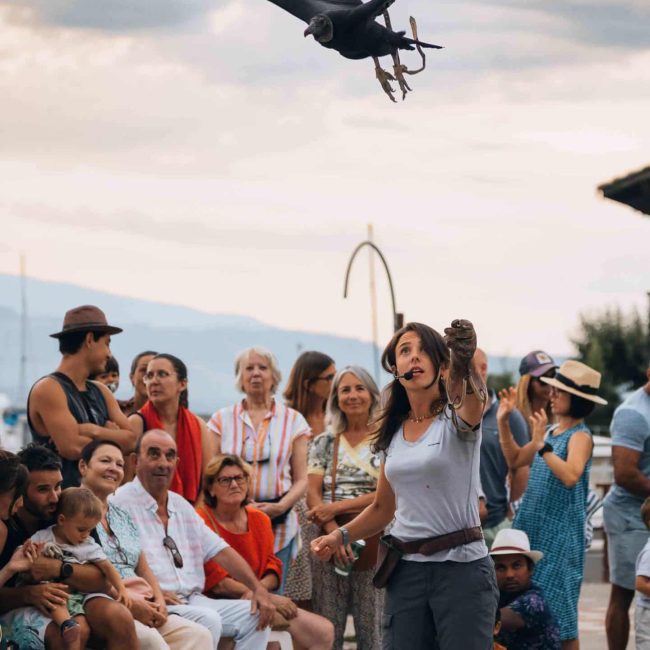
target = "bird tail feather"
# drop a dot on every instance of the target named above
(412, 41)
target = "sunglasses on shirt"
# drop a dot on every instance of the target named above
(170, 544)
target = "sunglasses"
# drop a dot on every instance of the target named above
(549, 375)
(170, 545)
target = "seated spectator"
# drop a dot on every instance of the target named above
(102, 469)
(25, 611)
(168, 409)
(110, 377)
(177, 543)
(77, 513)
(642, 585)
(527, 623)
(226, 487)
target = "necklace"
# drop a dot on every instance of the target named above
(436, 409)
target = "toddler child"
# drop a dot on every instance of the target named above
(78, 512)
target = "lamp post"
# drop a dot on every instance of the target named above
(398, 318)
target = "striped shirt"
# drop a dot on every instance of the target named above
(268, 450)
(195, 541)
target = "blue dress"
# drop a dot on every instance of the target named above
(553, 517)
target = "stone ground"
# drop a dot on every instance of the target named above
(593, 604)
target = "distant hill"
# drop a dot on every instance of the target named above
(207, 343)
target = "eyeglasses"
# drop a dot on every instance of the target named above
(170, 545)
(114, 542)
(160, 374)
(225, 481)
(327, 378)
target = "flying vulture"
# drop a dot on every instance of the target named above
(350, 28)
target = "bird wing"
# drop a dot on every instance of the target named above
(307, 9)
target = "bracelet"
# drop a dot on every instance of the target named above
(547, 447)
(345, 535)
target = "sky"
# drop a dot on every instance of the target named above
(206, 154)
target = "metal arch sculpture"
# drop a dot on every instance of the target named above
(398, 318)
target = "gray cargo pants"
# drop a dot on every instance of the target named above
(441, 606)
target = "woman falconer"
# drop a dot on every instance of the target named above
(437, 567)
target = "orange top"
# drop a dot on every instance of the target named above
(255, 545)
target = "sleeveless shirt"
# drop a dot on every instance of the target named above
(88, 406)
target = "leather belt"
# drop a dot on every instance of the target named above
(440, 543)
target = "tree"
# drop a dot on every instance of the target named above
(615, 344)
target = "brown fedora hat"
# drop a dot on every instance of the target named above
(86, 318)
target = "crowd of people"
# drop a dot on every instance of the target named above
(137, 524)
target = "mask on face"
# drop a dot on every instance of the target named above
(113, 387)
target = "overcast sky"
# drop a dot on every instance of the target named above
(204, 153)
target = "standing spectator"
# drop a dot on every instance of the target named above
(138, 371)
(307, 391)
(110, 377)
(626, 532)
(102, 470)
(494, 469)
(65, 411)
(553, 510)
(25, 610)
(273, 439)
(533, 394)
(177, 543)
(527, 622)
(225, 490)
(342, 475)
(642, 584)
(437, 568)
(168, 409)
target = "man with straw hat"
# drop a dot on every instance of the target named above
(527, 623)
(65, 411)
(626, 532)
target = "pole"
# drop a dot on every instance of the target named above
(23, 331)
(373, 304)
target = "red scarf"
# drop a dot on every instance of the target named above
(187, 479)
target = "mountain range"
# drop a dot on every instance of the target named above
(207, 343)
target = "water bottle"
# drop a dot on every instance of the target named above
(356, 547)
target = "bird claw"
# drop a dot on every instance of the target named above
(384, 79)
(399, 70)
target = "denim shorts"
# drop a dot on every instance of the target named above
(626, 537)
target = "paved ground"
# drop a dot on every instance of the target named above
(593, 604)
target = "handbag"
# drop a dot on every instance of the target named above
(281, 518)
(368, 556)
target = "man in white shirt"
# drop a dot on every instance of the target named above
(177, 543)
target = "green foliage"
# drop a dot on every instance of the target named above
(616, 345)
(500, 381)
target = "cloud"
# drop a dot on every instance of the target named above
(109, 15)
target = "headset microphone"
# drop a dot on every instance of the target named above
(408, 375)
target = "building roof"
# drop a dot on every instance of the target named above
(633, 190)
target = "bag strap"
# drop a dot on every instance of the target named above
(335, 462)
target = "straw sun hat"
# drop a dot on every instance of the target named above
(578, 379)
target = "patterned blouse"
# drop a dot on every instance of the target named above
(123, 547)
(541, 631)
(357, 469)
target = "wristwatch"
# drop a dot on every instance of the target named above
(345, 535)
(66, 570)
(547, 447)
